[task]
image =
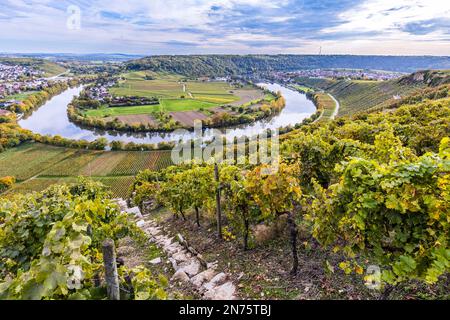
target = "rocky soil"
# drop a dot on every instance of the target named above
(190, 268)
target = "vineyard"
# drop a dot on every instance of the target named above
(36, 166)
(26, 161)
(57, 254)
(360, 95)
(348, 196)
(372, 190)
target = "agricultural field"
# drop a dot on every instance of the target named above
(19, 96)
(134, 162)
(174, 105)
(250, 96)
(135, 119)
(37, 166)
(188, 118)
(30, 159)
(119, 186)
(328, 105)
(176, 94)
(120, 111)
(178, 101)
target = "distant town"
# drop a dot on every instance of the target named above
(17, 81)
(338, 74)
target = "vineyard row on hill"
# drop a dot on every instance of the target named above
(375, 187)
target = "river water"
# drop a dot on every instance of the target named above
(51, 119)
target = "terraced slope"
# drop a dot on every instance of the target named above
(37, 166)
(357, 95)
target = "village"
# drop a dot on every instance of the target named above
(337, 74)
(17, 81)
(99, 91)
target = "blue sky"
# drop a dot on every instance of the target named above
(226, 26)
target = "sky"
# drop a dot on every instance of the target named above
(392, 27)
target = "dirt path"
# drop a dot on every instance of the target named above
(336, 110)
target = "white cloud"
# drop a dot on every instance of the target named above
(147, 26)
(389, 16)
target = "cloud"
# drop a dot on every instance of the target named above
(394, 19)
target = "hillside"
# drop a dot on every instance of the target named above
(222, 65)
(348, 194)
(360, 95)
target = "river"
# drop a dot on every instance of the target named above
(51, 119)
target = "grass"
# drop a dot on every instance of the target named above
(121, 111)
(160, 88)
(19, 96)
(37, 166)
(51, 69)
(303, 88)
(174, 93)
(168, 105)
(328, 105)
(172, 105)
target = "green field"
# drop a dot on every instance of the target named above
(19, 96)
(37, 166)
(171, 105)
(120, 111)
(168, 105)
(173, 93)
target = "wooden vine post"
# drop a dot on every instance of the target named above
(293, 236)
(111, 275)
(219, 209)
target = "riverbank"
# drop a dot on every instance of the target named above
(51, 119)
(156, 122)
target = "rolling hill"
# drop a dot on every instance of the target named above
(49, 68)
(222, 65)
(359, 95)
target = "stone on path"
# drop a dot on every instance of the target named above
(174, 264)
(181, 256)
(121, 203)
(140, 223)
(188, 267)
(125, 250)
(173, 248)
(134, 211)
(203, 277)
(191, 268)
(155, 261)
(214, 282)
(153, 231)
(224, 292)
(180, 276)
